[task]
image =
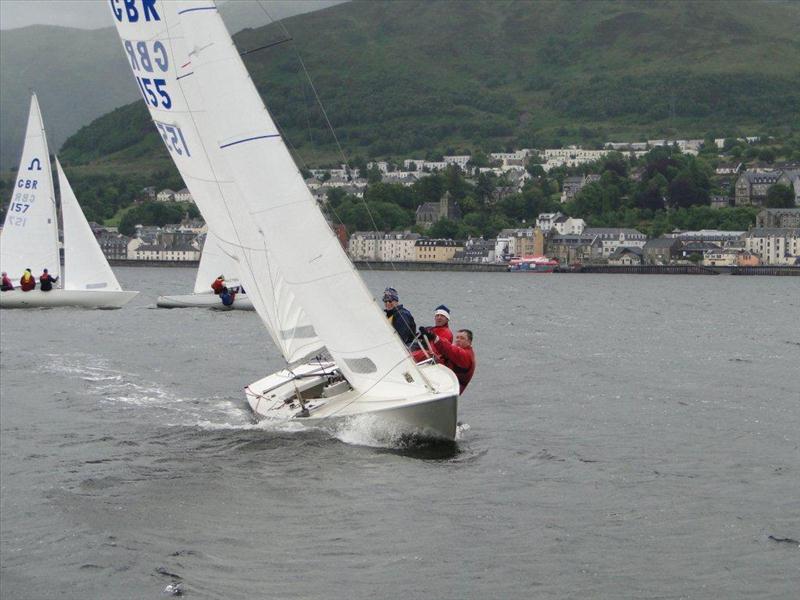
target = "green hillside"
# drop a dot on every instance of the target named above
(415, 78)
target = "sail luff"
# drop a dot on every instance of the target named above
(320, 275)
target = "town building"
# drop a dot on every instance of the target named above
(752, 186)
(436, 250)
(612, 238)
(113, 245)
(571, 249)
(380, 246)
(778, 217)
(626, 256)
(476, 250)
(661, 251)
(165, 195)
(429, 213)
(774, 245)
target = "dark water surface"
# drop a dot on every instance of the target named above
(624, 437)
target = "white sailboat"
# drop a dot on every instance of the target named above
(214, 261)
(302, 285)
(30, 236)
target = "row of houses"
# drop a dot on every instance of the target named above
(569, 241)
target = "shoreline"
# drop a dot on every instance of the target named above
(367, 265)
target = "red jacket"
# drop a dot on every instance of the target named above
(460, 361)
(27, 283)
(443, 333)
(7, 284)
(217, 286)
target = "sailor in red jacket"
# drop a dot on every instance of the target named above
(458, 357)
(218, 284)
(7, 285)
(27, 281)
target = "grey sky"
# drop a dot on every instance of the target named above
(94, 14)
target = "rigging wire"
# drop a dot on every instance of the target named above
(279, 22)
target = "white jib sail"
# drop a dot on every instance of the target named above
(30, 233)
(153, 42)
(215, 261)
(319, 274)
(85, 265)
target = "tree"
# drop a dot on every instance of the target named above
(374, 175)
(780, 196)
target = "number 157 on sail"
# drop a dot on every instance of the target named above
(173, 138)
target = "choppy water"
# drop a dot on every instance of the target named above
(624, 437)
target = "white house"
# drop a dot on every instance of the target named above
(165, 195)
(183, 195)
(774, 245)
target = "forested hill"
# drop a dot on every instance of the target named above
(421, 77)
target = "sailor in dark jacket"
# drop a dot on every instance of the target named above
(46, 281)
(399, 316)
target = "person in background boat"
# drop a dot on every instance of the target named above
(458, 356)
(399, 316)
(227, 296)
(27, 282)
(6, 285)
(218, 284)
(441, 318)
(46, 281)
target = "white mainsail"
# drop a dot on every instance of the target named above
(282, 211)
(30, 232)
(85, 266)
(154, 44)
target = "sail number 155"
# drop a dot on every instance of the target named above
(154, 92)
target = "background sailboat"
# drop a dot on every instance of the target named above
(214, 261)
(251, 193)
(30, 236)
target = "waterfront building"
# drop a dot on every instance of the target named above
(476, 250)
(626, 256)
(377, 245)
(612, 238)
(436, 250)
(570, 249)
(774, 245)
(661, 251)
(113, 245)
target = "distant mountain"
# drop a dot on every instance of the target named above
(77, 74)
(403, 78)
(81, 74)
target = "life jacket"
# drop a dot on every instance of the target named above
(217, 286)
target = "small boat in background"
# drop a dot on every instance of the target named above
(532, 264)
(30, 236)
(213, 262)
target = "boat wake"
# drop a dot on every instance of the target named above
(129, 391)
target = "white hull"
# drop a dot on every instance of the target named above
(59, 297)
(242, 302)
(432, 414)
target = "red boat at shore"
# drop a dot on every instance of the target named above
(532, 264)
